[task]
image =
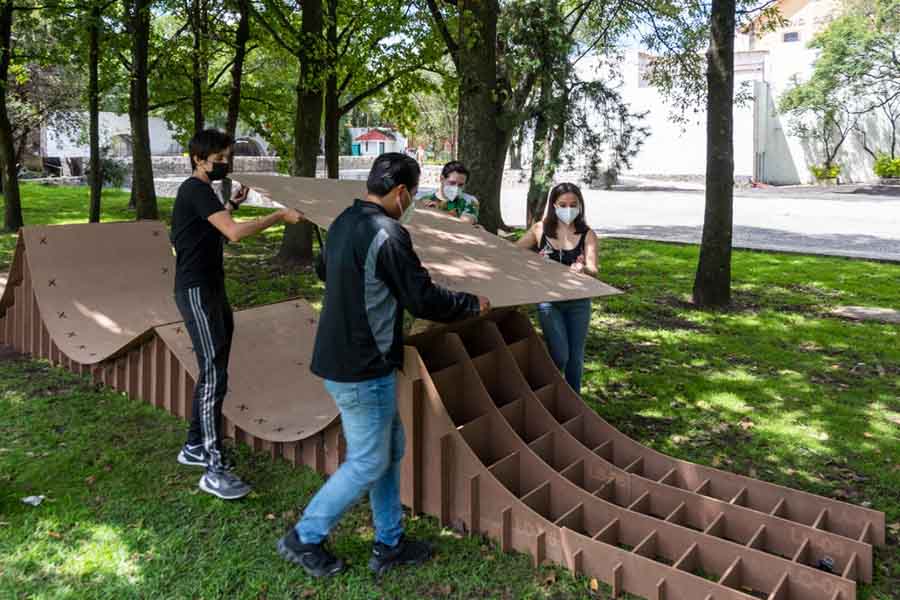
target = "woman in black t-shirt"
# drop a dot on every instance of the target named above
(564, 236)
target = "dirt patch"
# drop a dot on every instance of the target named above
(745, 301)
(867, 313)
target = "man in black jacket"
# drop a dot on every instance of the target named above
(372, 273)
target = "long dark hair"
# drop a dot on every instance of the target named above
(551, 220)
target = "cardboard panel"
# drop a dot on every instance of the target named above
(101, 287)
(271, 392)
(457, 255)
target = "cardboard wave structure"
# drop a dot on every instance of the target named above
(97, 299)
(497, 443)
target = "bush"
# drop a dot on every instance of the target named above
(114, 172)
(823, 172)
(887, 167)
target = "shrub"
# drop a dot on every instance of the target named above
(823, 172)
(114, 172)
(887, 167)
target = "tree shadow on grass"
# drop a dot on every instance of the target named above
(123, 520)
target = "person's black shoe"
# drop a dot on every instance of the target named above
(406, 552)
(314, 558)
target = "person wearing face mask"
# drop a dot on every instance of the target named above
(200, 225)
(451, 196)
(371, 274)
(564, 236)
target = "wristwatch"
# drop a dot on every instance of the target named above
(234, 205)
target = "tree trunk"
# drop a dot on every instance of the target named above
(296, 247)
(332, 129)
(332, 106)
(539, 184)
(198, 62)
(483, 140)
(138, 111)
(22, 144)
(237, 75)
(96, 181)
(542, 180)
(13, 215)
(712, 284)
(515, 150)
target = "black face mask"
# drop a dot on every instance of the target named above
(219, 171)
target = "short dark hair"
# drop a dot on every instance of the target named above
(207, 142)
(551, 221)
(454, 166)
(390, 170)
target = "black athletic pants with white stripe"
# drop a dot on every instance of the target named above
(210, 323)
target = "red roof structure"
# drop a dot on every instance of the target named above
(375, 135)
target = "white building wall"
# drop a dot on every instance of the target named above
(675, 148)
(764, 146)
(63, 144)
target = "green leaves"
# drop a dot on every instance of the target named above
(855, 79)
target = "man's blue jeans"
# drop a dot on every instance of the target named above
(565, 325)
(375, 444)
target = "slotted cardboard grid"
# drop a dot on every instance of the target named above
(498, 438)
(857, 524)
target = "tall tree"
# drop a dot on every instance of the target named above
(13, 213)
(373, 48)
(493, 91)
(854, 85)
(138, 16)
(332, 98)
(198, 17)
(484, 136)
(94, 27)
(712, 284)
(677, 31)
(305, 43)
(242, 37)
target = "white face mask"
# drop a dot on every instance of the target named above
(451, 192)
(567, 214)
(406, 215)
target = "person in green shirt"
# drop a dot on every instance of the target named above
(450, 196)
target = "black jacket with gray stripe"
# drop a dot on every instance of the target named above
(371, 274)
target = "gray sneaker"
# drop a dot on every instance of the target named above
(224, 484)
(196, 456)
(192, 456)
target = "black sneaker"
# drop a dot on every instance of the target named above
(406, 552)
(195, 456)
(314, 558)
(192, 456)
(224, 484)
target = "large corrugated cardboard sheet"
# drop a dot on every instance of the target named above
(458, 256)
(271, 392)
(102, 286)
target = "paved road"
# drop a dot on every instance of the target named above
(861, 222)
(852, 221)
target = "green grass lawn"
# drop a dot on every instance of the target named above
(774, 388)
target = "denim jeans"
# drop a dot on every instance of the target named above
(375, 444)
(565, 326)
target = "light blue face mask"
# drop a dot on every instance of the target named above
(567, 214)
(451, 192)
